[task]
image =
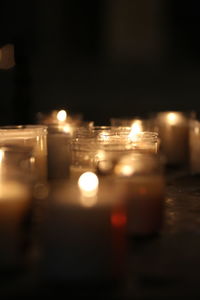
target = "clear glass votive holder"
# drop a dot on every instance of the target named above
(33, 136)
(141, 187)
(100, 147)
(94, 144)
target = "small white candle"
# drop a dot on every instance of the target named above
(174, 134)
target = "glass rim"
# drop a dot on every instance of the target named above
(22, 130)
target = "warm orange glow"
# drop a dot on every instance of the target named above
(100, 155)
(88, 184)
(62, 115)
(68, 129)
(172, 118)
(124, 170)
(1, 155)
(136, 128)
(196, 130)
(118, 219)
(105, 166)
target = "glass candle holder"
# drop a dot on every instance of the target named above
(141, 186)
(33, 136)
(145, 141)
(89, 247)
(174, 130)
(83, 153)
(91, 145)
(194, 146)
(100, 147)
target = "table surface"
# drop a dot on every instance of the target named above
(161, 267)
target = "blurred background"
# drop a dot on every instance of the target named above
(104, 58)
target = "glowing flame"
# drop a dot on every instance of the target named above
(68, 129)
(62, 115)
(124, 170)
(172, 118)
(1, 155)
(88, 184)
(135, 129)
(196, 130)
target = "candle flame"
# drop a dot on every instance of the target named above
(62, 115)
(124, 170)
(196, 130)
(135, 129)
(172, 118)
(88, 184)
(1, 155)
(68, 129)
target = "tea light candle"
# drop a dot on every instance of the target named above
(14, 204)
(173, 131)
(142, 189)
(78, 234)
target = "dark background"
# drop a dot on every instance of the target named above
(104, 58)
